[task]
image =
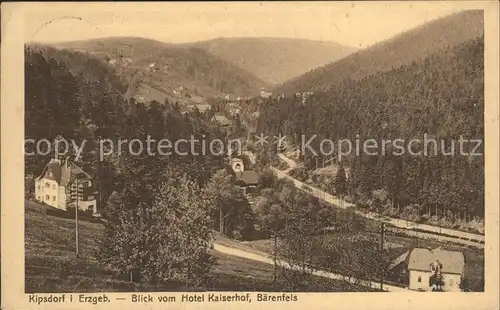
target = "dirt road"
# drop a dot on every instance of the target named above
(264, 258)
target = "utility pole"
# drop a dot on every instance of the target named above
(76, 218)
(221, 226)
(416, 234)
(382, 271)
(275, 258)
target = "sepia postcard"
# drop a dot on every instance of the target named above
(250, 155)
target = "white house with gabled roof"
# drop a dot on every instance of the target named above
(423, 263)
(57, 187)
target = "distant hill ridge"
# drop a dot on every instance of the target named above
(402, 49)
(166, 67)
(275, 60)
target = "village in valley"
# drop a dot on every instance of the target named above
(264, 216)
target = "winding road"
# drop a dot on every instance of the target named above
(410, 228)
(432, 231)
(264, 258)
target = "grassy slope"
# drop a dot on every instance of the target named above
(51, 265)
(402, 49)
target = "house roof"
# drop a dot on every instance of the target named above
(222, 120)
(62, 173)
(198, 100)
(53, 166)
(452, 261)
(248, 177)
(203, 107)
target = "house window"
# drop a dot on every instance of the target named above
(38, 187)
(419, 279)
(47, 185)
(53, 198)
(53, 186)
(47, 197)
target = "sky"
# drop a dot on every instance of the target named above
(352, 24)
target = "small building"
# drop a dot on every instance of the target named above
(246, 180)
(63, 184)
(234, 108)
(153, 67)
(265, 94)
(237, 165)
(198, 99)
(234, 111)
(242, 98)
(221, 120)
(140, 99)
(178, 91)
(424, 263)
(304, 96)
(198, 107)
(203, 107)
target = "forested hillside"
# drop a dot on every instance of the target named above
(441, 96)
(196, 70)
(85, 67)
(61, 104)
(72, 105)
(404, 48)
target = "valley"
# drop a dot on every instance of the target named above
(268, 216)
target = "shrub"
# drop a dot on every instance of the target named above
(476, 225)
(410, 213)
(237, 235)
(300, 173)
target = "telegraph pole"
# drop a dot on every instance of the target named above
(275, 258)
(416, 234)
(76, 219)
(382, 230)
